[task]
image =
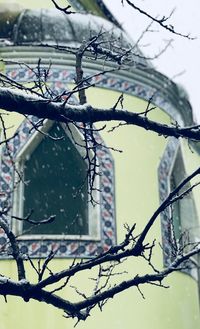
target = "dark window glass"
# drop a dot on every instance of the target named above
(56, 176)
(184, 212)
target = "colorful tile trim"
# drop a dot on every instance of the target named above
(58, 78)
(64, 248)
(164, 170)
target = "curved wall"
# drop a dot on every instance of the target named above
(137, 196)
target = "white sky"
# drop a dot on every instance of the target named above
(183, 55)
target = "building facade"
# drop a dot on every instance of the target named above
(132, 183)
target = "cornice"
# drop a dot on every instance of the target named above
(167, 94)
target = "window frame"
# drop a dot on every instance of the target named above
(165, 169)
(93, 211)
(178, 165)
(65, 248)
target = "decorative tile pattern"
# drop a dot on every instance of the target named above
(64, 248)
(60, 76)
(164, 189)
(164, 172)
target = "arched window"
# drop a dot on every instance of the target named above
(182, 216)
(55, 183)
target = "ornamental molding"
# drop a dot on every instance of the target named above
(40, 248)
(167, 95)
(164, 171)
(125, 82)
(164, 174)
(58, 78)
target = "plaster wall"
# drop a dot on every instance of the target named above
(136, 199)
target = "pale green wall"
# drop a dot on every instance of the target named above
(136, 199)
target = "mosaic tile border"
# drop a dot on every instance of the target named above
(64, 248)
(164, 170)
(108, 81)
(59, 77)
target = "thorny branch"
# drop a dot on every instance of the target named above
(15, 252)
(132, 246)
(81, 310)
(65, 10)
(161, 21)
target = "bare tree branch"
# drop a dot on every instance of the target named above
(14, 248)
(24, 103)
(66, 10)
(160, 21)
(37, 99)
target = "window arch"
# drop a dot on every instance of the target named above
(184, 208)
(54, 183)
(171, 172)
(84, 230)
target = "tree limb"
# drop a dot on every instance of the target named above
(24, 103)
(160, 21)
